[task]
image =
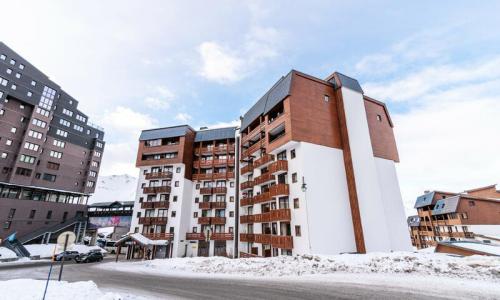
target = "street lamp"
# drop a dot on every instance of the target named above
(304, 190)
(304, 185)
(208, 231)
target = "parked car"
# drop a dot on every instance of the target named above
(67, 255)
(91, 256)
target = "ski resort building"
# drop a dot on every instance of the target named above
(50, 154)
(310, 170)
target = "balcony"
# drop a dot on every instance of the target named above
(253, 133)
(159, 236)
(202, 176)
(246, 185)
(220, 162)
(262, 197)
(194, 236)
(204, 220)
(222, 236)
(205, 190)
(264, 178)
(218, 205)
(246, 201)
(156, 189)
(204, 205)
(247, 237)
(219, 190)
(218, 220)
(278, 167)
(276, 241)
(263, 160)
(271, 216)
(279, 190)
(282, 241)
(205, 150)
(247, 169)
(159, 175)
(230, 175)
(153, 220)
(203, 163)
(221, 175)
(147, 205)
(155, 204)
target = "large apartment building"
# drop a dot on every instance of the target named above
(315, 173)
(455, 217)
(50, 154)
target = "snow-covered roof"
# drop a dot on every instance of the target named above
(141, 240)
(491, 249)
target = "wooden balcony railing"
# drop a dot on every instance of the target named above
(252, 133)
(282, 241)
(221, 175)
(218, 220)
(247, 237)
(246, 201)
(248, 255)
(219, 190)
(262, 197)
(230, 162)
(222, 236)
(202, 176)
(266, 158)
(153, 220)
(279, 190)
(264, 178)
(271, 216)
(247, 169)
(246, 185)
(156, 189)
(202, 163)
(220, 162)
(205, 190)
(195, 236)
(155, 204)
(218, 205)
(204, 205)
(278, 166)
(276, 241)
(159, 236)
(159, 175)
(147, 205)
(204, 220)
(230, 175)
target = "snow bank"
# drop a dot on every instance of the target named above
(435, 264)
(27, 289)
(7, 253)
(46, 250)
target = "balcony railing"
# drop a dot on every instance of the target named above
(159, 236)
(247, 169)
(219, 190)
(221, 175)
(246, 201)
(195, 236)
(281, 189)
(205, 190)
(204, 220)
(252, 133)
(202, 163)
(264, 178)
(276, 241)
(271, 216)
(218, 205)
(222, 236)
(156, 189)
(154, 204)
(248, 255)
(278, 166)
(153, 220)
(282, 241)
(147, 205)
(202, 176)
(204, 205)
(246, 185)
(159, 175)
(263, 160)
(247, 237)
(212, 220)
(262, 197)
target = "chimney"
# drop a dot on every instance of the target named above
(203, 128)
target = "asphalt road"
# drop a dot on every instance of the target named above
(161, 287)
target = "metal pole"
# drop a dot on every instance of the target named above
(63, 258)
(50, 272)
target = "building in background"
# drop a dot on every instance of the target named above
(109, 221)
(444, 217)
(50, 154)
(315, 173)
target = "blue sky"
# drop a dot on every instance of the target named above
(139, 65)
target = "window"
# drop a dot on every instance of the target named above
(178, 170)
(42, 112)
(55, 154)
(13, 130)
(196, 199)
(81, 118)
(27, 159)
(58, 143)
(64, 122)
(49, 177)
(33, 83)
(231, 214)
(32, 214)
(472, 203)
(12, 62)
(197, 186)
(21, 66)
(23, 172)
(31, 146)
(49, 215)
(98, 144)
(67, 112)
(52, 165)
(29, 94)
(3, 57)
(379, 118)
(6, 225)
(3, 81)
(195, 214)
(62, 133)
(177, 183)
(39, 123)
(35, 134)
(326, 98)
(297, 230)
(90, 184)
(95, 164)
(78, 127)
(3, 155)
(465, 216)
(294, 177)
(231, 184)
(14, 87)
(173, 214)
(8, 142)
(9, 71)
(231, 199)
(292, 153)
(175, 199)
(97, 154)
(2, 112)
(92, 174)
(47, 98)
(18, 75)
(296, 203)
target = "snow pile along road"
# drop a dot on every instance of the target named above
(6, 253)
(472, 267)
(33, 289)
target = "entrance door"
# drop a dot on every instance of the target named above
(203, 248)
(220, 248)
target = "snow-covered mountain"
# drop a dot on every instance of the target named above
(114, 188)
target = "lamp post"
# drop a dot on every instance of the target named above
(208, 231)
(304, 190)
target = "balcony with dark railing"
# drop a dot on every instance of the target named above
(159, 236)
(247, 185)
(219, 190)
(248, 255)
(156, 189)
(204, 220)
(253, 148)
(158, 175)
(279, 166)
(202, 163)
(276, 215)
(155, 204)
(247, 237)
(195, 236)
(212, 220)
(222, 236)
(202, 176)
(220, 175)
(204, 205)
(153, 220)
(262, 197)
(205, 190)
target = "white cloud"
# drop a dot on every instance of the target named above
(234, 123)
(162, 100)
(219, 64)
(183, 117)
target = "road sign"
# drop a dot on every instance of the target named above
(63, 242)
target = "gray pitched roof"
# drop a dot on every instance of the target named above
(349, 82)
(424, 200)
(447, 205)
(278, 92)
(163, 133)
(215, 134)
(413, 221)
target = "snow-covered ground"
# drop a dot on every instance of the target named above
(114, 188)
(24, 289)
(484, 268)
(46, 250)
(6, 253)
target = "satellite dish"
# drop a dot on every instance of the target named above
(67, 238)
